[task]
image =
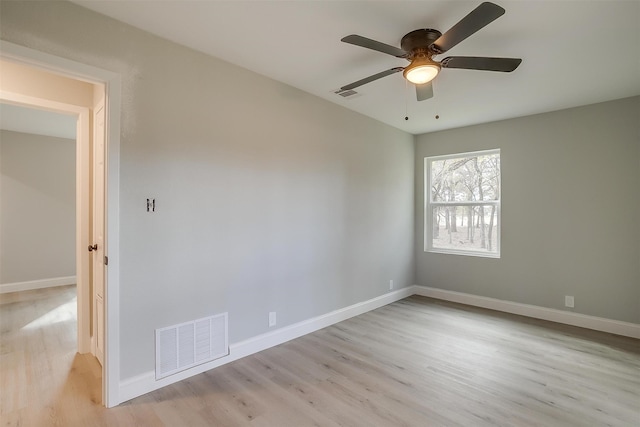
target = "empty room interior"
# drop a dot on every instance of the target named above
(312, 213)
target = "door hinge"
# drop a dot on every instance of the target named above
(106, 260)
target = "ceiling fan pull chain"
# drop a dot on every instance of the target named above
(406, 102)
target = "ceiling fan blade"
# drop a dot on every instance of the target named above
(424, 91)
(371, 78)
(478, 18)
(374, 45)
(481, 63)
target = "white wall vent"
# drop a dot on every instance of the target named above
(346, 93)
(189, 344)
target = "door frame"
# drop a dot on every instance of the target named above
(112, 82)
(82, 198)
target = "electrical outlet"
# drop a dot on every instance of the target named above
(390, 284)
(568, 301)
(272, 318)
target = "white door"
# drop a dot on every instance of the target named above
(98, 248)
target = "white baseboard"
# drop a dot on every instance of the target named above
(37, 284)
(145, 383)
(569, 318)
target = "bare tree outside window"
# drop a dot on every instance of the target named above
(463, 203)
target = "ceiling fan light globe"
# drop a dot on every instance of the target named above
(421, 74)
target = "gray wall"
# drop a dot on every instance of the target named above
(37, 207)
(570, 206)
(268, 198)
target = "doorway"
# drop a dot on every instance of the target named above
(46, 211)
(106, 84)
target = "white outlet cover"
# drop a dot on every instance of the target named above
(568, 301)
(272, 318)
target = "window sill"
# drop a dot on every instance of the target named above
(464, 253)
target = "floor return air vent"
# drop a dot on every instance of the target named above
(189, 344)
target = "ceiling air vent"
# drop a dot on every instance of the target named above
(189, 344)
(346, 93)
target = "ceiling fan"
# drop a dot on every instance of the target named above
(420, 46)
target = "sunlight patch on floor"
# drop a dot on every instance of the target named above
(63, 313)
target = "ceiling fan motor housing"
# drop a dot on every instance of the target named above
(418, 41)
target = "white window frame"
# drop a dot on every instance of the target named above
(429, 204)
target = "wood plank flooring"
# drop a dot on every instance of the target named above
(417, 362)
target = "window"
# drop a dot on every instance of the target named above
(462, 204)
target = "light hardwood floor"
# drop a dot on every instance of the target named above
(417, 362)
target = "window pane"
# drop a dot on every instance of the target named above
(466, 228)
(466, 178)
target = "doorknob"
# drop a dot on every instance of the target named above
(93, 248)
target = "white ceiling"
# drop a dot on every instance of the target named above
(38, 122)
(574, 52)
